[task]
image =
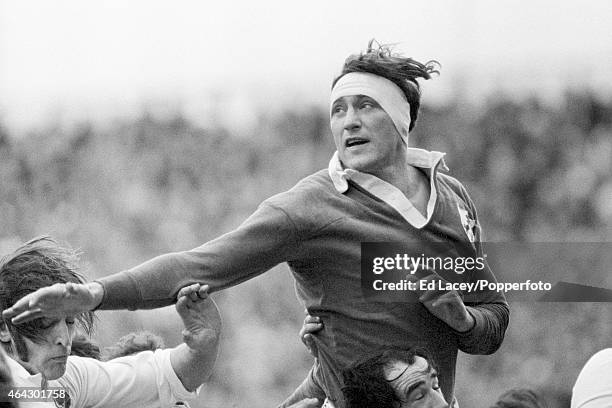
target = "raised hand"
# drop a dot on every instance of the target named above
(61, 299)
(200, 316)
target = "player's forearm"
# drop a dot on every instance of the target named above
(149, 285)
(487, 335)
(263, 241)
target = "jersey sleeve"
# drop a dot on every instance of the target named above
(144, 379)
(264, 240)
(488, 307)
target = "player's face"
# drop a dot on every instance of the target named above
(366, 138)
(416, 385)
(48, 355)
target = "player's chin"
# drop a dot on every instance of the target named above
(55, 368)
(360, 162)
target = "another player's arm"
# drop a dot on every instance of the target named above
(308, 389)
(194, 359)
(153, 378)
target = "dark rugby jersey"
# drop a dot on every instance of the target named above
(318, 232)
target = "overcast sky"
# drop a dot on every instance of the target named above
(63, 60)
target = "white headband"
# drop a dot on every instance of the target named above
(388, 95)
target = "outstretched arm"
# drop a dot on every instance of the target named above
(153, 378)
(264, 240)
(194, 360)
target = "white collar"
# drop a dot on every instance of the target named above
(21, 376)
(385, 191)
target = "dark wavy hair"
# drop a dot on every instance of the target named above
(133, 343)
(365, 385)
(36, 264)
(127, 345)
(83, 346)
(380, 60)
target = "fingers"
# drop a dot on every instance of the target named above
(26, 309)
(308, 340)
(56, 300)
(27, 316)
(195, 292)
(312, 319)
(312, 324)
(181, 303)
(19, 307)
(310, 328)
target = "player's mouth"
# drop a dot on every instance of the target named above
(60, 357)
(355, 141)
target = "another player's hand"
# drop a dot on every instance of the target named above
(200, 317)
(312, 324)
(58, 300)
(447, 305)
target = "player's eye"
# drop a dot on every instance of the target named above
(337, 108)
(368, 103)
(417, 396)
(47, 323)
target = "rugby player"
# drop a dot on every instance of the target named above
(394, 379)
(39, 351)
